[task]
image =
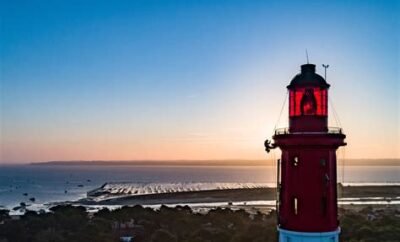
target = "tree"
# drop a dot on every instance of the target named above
(162, 235)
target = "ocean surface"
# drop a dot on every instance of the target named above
(67, 183)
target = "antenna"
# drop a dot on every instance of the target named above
(307, 57)
(326, 67)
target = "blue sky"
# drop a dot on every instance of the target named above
(188, 79)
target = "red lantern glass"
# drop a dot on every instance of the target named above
(308, 101)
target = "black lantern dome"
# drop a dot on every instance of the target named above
(308, 77)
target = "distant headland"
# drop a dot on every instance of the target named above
(347, 162)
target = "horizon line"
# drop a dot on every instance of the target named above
(180, 161)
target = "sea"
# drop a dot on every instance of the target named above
(59, 183)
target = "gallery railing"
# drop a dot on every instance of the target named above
(331, 130)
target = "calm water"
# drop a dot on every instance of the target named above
(49, 183)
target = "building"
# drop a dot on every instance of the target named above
(128, 231)
(307, 193)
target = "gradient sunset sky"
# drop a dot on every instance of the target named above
(125, 80)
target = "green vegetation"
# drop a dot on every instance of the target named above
(68, 223)
(370, 225)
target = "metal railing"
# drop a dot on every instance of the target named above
(331, 130)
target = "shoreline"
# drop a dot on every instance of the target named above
(252, 200)
(207, 196)
(346, 194)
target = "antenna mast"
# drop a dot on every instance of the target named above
(326, 67)
(307, 57)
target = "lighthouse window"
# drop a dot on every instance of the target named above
(323, 162)
(295, 205)
(296, 161)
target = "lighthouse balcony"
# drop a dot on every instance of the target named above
(332, 136)
(331, 130)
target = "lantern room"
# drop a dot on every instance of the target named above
(308, 101)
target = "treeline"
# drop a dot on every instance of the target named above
(68, 223)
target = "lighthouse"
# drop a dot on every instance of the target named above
(306, 184)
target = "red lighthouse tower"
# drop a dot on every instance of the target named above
(307, 200)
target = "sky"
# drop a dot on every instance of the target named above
(168, 80)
